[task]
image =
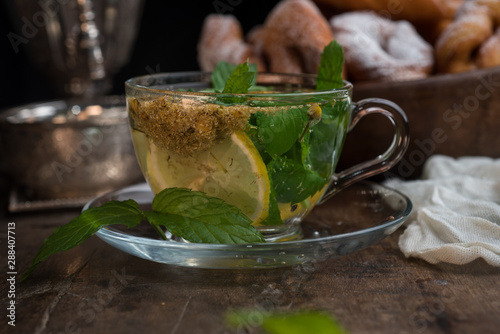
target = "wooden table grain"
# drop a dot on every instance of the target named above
(95, 288)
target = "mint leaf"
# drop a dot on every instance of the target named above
(330, 68)
(221, 231)
(259, 88)
(273, 216)
(84, 226)
(278, 131)
(301, 323)
(240, 80)
(222, 72)
(293, 182)
(299, 152)
(327, 136)
(297, 322)
(231, 79)
(197, 217)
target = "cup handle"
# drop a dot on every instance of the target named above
(383, 162)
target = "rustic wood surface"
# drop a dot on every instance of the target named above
(95, 288)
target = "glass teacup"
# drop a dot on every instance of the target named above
(271, 152)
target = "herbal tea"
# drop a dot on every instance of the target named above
(272, 158)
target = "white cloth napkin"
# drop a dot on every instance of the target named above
(456, 211)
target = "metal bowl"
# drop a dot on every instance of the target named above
(69, 148)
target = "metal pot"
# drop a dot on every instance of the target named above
(69, 148)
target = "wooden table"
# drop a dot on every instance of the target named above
(95, 288)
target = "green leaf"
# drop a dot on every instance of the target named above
(259, 88)
(220, 74)
(223, 71)
(197, 217)
(328, 136)
(292, 322)
(279, 131)
(293, 182)
(253, 132)
(274, 216)
(330, 68)
(240, 80)
(300, 150)
(301, 323)
(84, 226)
(232, 79)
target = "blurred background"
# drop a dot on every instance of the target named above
(46, 54)
(161, 36)
(166, 41)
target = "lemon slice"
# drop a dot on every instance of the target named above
(232, 170)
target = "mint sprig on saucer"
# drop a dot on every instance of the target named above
(188, 214)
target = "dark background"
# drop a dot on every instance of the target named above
(166, 42)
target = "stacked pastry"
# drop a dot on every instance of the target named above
(383, 40)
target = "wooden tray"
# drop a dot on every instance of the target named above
(453, 114)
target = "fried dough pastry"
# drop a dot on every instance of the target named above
(295, 34)
(489, 53)
(470, 41)
(222, 39)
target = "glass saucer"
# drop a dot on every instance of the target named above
(353, 219)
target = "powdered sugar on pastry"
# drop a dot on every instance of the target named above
(377, 48)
